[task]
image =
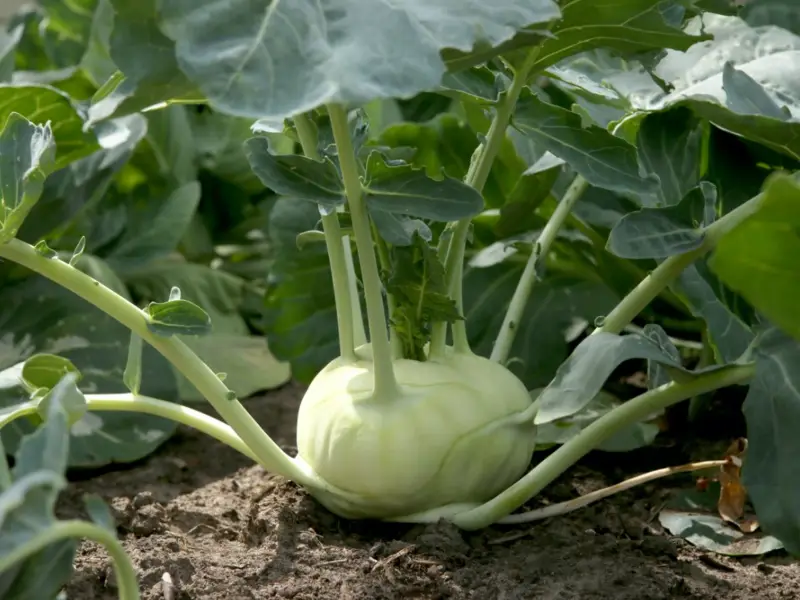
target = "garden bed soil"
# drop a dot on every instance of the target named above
(223, 529)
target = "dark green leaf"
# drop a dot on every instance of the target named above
(42, 104)
(99, 512)
(477, 83)
(156, 231)
(730, 336)
(299, 314)
(407, 191)
(670, 144)
(663, 232)
(41, 317)
(177, 317)
(748, 97)
(27, 157)
(146, 58)
(584, 373)
(171, 141)
(399, 230)
(46, 370)
(9, 39)
(759, 258)
(67, 30)
(294, 175)
(541, 342)
(246, 57)
(771, 472)
(602, 159)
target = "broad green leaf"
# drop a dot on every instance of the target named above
(246, 57)
(27, 157)
(405, 190)
(42, 104)
(541, 342)
(171, 142)
(295, 175)
(246, 360)
(299, 315)
(711, 532)
(758, 258)
(663, 232)
(518, 215)
(670, 144)
(475, 84)
(155, 231)
(635, 436)
(42, 318)
(720, 78)
(771, 472)
(729, 335)
(149, 72)
(584, 373)
(177, 317)
(399, 230)
(67, 30)
(629, 26)
(602, 159)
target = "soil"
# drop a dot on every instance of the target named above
(222, 529)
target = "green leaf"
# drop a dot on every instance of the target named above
(399, 230)
(67, 30)
(171, 141)
(711, 532)
(630, 438)
(630, 26)
(146, 58)
(155, 231)
(541, 342)
(177, 317)
(475, 84)
(584, 373)
(299, 314)
(758, 258)
(41, 317)
(42, 104)
(718, 79)
(27, 157)
(602, 159)
(670, 144)
(294, 175)
(46, 370)
(407, 191)
(771, 473)
(445, 145)
(729, 335)
(663, 232)
(246, 57)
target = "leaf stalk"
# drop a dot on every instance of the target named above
(510, 326)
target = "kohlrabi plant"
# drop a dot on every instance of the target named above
(509, 200)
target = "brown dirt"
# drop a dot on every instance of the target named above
(226, 530)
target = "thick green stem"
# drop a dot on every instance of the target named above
(663, 275)
(333, 241)
(385, 383)
(269, 454)
(123, 568)
(590, 438)
(510, 326)
(476, 177)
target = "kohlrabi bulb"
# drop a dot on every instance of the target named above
(451, 433)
